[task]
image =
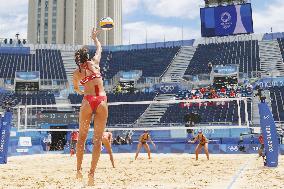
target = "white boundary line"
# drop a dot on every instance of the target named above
(238, 174)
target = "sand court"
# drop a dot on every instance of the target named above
(162, 171)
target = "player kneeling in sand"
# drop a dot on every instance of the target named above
(203, 142)
(143, 143)
(107, 140)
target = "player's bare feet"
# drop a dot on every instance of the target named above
(91, 181)
(79, 175)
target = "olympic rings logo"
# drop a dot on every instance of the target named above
(233, 148)
(167, 88)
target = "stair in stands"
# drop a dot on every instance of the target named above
(69, 64)
(279, 125)
(266, 93)
(270, 58)
(154, 112)
(255, 111)
(63, 100)
(280, 129)
(179, 64)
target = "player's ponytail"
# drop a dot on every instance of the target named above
(81, 56)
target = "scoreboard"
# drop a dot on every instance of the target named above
(27, 81)
(58, 117)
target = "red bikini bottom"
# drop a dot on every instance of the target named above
(95, 101)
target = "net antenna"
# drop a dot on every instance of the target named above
(28, 116)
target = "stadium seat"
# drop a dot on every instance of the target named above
(243, 53)
(48, 62)
(152, 62)
(277, 100)
(281, 45)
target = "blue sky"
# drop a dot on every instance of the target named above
(159, 18)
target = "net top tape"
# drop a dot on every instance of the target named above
(143, 102)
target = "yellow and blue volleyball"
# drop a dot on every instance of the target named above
(106, 23)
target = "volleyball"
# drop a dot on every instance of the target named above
(106, 23)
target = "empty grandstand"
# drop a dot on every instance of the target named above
(145, 60)
(245, 54)
(281, 45)
(277, 97)
(48, 62)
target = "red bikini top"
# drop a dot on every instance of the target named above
(90, 77)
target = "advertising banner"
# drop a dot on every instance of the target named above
(25, 141)
(27, 76)
(266, 83)
(226, 20)
(5, 124)
(269, 134)
(225, 70)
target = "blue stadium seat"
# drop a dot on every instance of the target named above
(152, 62)
(281, 45)
(48, 62)
(243, 53)
(277, 100)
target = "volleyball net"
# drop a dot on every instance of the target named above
(220, 113)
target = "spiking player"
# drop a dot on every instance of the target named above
(94, 102)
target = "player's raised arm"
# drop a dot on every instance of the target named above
(96, 59)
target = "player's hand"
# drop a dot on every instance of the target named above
(81, 92)
(95, 33)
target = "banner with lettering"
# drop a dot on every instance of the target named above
(269, 134)
(5, 124)
(225, 70)
(266, 83)
(27, 76)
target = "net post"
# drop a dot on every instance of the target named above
(19, 117)
(246, 111)
(239, 112)
(26, 117)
